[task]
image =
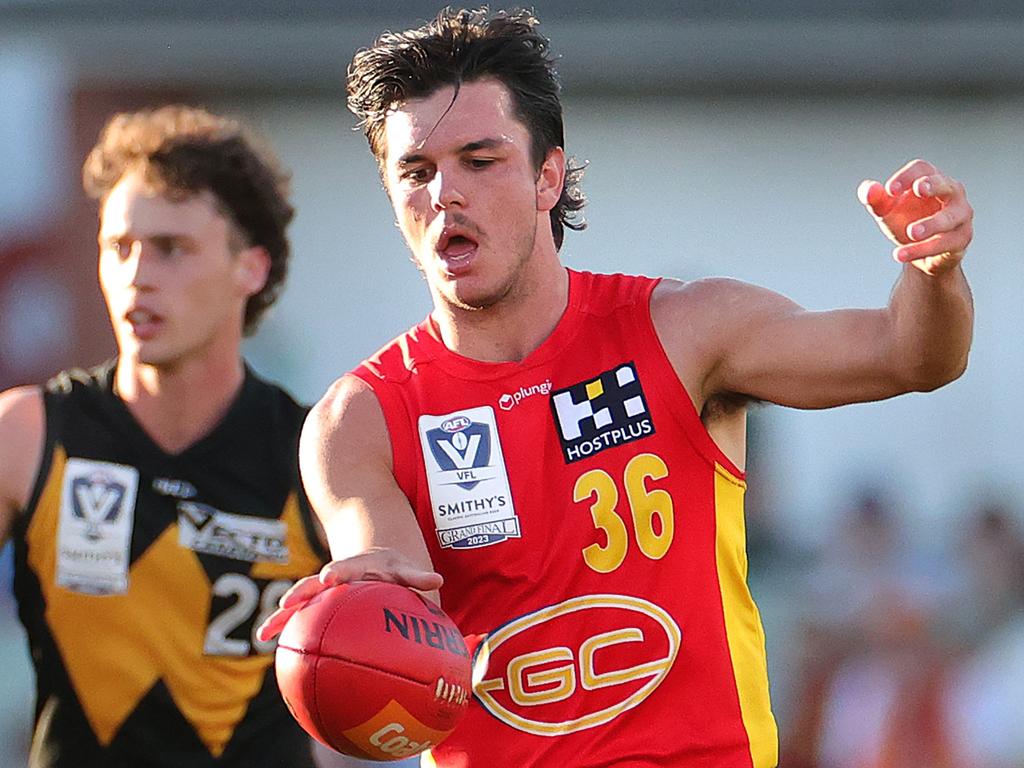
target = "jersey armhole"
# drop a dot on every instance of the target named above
(51, 430)
(674, 393)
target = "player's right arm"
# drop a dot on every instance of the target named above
(22, 432)
(346, 465)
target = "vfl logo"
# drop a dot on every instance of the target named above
(578, 664)
(607, 411)
(470, 496)
(94, 527)
(96, 500)
(461, 446)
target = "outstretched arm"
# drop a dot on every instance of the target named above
(22, 429)
(725, 336)
(345, 461)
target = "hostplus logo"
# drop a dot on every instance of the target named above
(508, 401)
(606, 411)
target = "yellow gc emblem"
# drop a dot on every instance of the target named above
(578, 664)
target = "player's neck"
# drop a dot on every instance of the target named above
(179, 404)
(516, 326)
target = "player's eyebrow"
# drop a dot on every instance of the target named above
(170, 239)
(473, 146)
(160, 239)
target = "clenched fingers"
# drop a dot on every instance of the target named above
(948, 230)
(905, 178)
(875, 198)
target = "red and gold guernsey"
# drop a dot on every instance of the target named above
(586, 523)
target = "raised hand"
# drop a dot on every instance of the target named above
(925, 213)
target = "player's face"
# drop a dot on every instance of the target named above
(174, 285)
(465, 192)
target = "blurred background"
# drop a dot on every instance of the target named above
(724, 137)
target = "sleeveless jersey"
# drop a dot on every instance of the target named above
(141, 575)
(586, 523)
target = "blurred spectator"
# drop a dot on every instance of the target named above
(991, 562)
(984, 698)
(867, 694)
(882, 709)
(865, 563)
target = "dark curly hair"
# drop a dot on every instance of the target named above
(461, 46)
(185, 150)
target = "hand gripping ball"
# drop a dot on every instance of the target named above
(374, 670)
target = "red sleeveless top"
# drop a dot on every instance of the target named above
(586, 523)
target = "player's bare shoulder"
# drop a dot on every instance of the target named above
(22, 434)
(709, 302)
(694, 320)
(349, 413)
(703, 322)
(702, 308)
(344, 441)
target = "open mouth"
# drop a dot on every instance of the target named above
(140, 317)
(143, 322)
(458, 247)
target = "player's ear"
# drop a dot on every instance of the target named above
(252, 268)
(551, 179)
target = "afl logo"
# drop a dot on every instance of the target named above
(578, 664)
(455, 424)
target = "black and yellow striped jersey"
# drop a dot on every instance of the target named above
(141, 577)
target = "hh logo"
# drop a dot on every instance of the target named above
(602, 413)
(96, 500)
(461, 447)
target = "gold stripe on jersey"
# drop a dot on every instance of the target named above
(742, 621)
(114, 656)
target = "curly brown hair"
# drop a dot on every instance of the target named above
(185, 150)
(462, 46)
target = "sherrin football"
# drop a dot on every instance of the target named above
(374, 670)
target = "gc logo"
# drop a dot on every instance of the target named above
(544, 691)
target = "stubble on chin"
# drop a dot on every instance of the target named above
(485, 298)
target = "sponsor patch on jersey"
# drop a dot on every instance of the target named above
(94, 530)
(179, 489)
(208, 530)
(594, 415)
(510, 400)
(468, 481)
(577, 664)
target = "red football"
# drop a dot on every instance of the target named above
(374, 670)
